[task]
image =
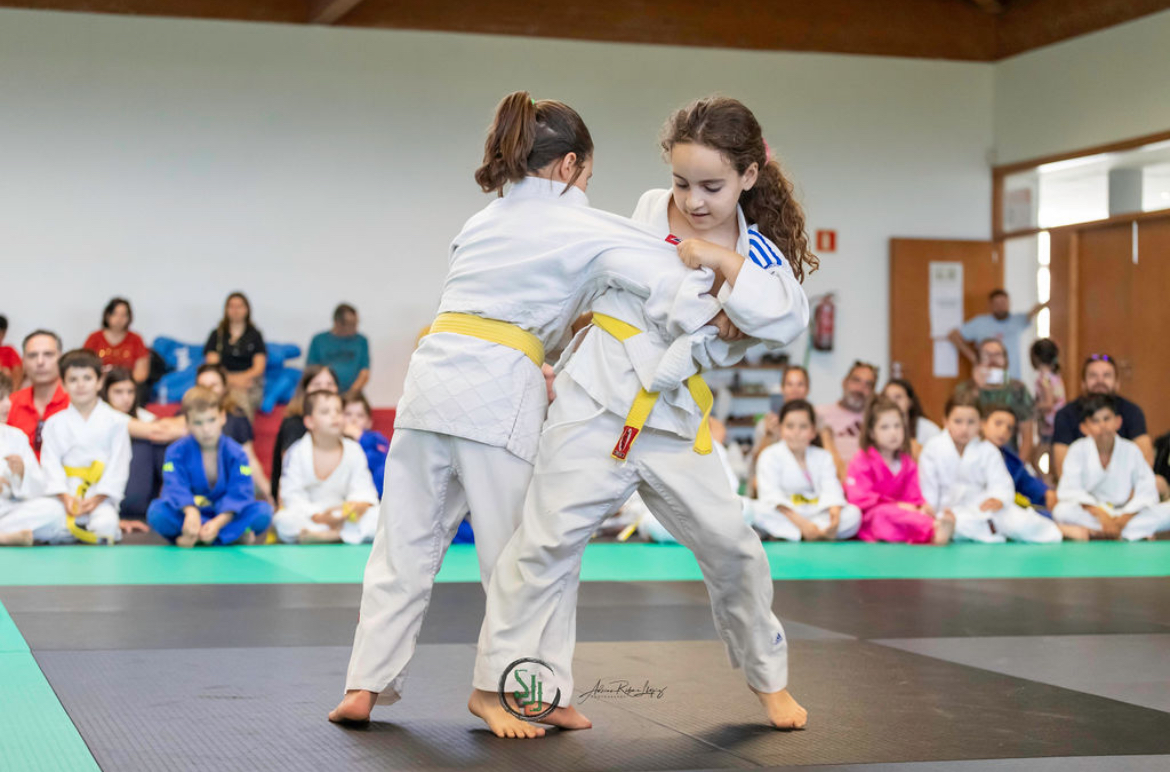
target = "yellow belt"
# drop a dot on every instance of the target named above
(492, 330)
(798, 498)
(644, 402)
(88, 476)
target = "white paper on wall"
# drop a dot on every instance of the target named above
(946, 313)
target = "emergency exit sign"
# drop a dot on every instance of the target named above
(826, 241)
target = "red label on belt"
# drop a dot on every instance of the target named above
(622, 449)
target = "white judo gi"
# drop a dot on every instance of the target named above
(636, 511)
(962, 484)
(532, 599)
(84, 458)
(781, 480)
(469, 420)
(17, 493)
(303, 494)
(1127, 485)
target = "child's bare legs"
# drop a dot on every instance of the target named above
(192, 524)
(355, 708)
(1074, 532)
(783, 711)
(16, 539)
(319, 537)
(944, 529)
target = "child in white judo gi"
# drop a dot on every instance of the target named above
(630, 416)
(1106, 485)
(800, 496)
(20, 481)
(965, 475)
(85, 457)
(475, 395)
(326, 491)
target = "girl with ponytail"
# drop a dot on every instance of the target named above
(736, 215)
(475, 396)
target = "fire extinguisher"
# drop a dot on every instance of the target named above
(822, 337)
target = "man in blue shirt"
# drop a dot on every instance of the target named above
(343, 349)
(1000, 324)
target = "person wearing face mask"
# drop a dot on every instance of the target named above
(840, 421)
(991, 383)
(1099, 376)
(999, 323)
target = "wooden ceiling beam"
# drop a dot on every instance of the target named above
(330, 11)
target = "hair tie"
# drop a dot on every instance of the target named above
(768, 157)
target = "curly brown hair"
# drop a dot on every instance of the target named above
(728, 126)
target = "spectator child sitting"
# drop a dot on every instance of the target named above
(85, 455)
(327, 494)
(20, 480)
(237, 427)
(800, 496)
(1107, 487)
(359, 423)
(964, 475)
(882, 481)
(999, 426)
(207, 495)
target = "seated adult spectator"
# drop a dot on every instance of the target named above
(922, 430)
(10, 364)
(1099, 376)
(991, 384)
(840, 422)
(117, 345)
(794, 385)
(292, 428)
(999, 323)
(44, 397)
(149, 437)
(236, 425)
(343, 349)
(239, 347)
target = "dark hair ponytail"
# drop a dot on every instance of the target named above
(526, 136)
(728, 126)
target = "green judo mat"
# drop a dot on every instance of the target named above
(36, 731)
(281, 564)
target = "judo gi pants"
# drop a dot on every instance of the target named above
(290, 521)
(1149, 521)
(1010, 522)
(431, 482)
(46, 518)
(168, 521)
(532, 599)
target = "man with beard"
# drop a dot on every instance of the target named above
(1099, 376)
(1000, 323)
(840, 422)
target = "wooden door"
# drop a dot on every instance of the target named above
(911, 348)
(1150, 315)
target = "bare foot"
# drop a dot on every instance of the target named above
(486, 705)
(567, 717)
(783, 711)
(318, 537)
(209, 531)
(944, 529)
(247, 540)
(190, 535)
(16, 539)
(1074, 532)
(355, 709)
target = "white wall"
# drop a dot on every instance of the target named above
(173, 161)
(1092, 90)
